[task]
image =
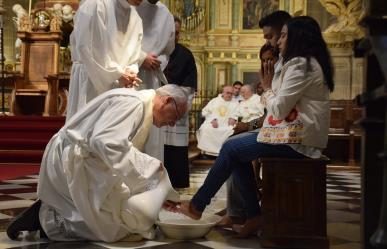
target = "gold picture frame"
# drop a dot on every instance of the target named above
(251, 11)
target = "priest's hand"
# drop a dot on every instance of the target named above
(151, 62)
(267, 74)
(214, 123)
(231, 122)
(129, 80)
(241, 127)
(171, 206)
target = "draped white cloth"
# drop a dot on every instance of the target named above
(159, 39)
(94, 165)
(105, 41)
(251, 108)
(210, 139)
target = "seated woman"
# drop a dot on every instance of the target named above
(296, 125)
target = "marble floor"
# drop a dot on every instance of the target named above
(343, 202)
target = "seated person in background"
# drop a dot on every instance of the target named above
(296, 125)
(220, 114)
(259, 89)
(237, 85)
(94, 169)
(250, 107)
(266, 53)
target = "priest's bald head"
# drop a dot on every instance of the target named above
(169, 105)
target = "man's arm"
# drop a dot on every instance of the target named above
(249, 126)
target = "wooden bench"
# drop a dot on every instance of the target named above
(294, 203)
(344, 134)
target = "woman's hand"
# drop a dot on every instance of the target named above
(267, 74)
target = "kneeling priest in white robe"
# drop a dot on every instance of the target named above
(95, 182)
(220, 114)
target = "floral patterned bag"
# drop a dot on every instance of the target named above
(282, 131)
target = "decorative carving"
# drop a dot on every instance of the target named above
(348, 14)
(41, 20)
(56, 23)
(21, 20)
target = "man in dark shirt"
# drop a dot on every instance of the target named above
(181, 70)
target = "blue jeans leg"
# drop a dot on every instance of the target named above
(235, 158)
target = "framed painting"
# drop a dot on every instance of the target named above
(254, 10)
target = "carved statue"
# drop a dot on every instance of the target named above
(67, 13)
(56, 18)
(348, 14)
(20, 14)
(22, 23)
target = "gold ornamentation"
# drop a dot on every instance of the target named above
(56, 23)
(41, 20)
(222, 111)
(348, 14)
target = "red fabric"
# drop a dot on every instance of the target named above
(9, 171)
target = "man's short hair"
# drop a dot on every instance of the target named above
(276, 20)
(176, 19)
(237, 82)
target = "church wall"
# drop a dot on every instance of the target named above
(225, 50)
(229, 51)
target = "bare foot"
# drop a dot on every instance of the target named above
(250, 227)
(189, 210)
(225, 222)
(228, 221)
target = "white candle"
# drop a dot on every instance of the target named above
(29, 8)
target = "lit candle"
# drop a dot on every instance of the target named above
(29, 8)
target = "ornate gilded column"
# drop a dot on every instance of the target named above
(235, 14)
(234, 71)
(212, 15)
(210, 79)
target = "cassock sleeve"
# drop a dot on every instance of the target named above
(207, 111)
(111, 141)
(93, 44)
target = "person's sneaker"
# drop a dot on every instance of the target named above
(28, 220)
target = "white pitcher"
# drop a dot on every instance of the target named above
(141, 211)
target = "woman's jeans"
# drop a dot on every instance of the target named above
(234, 160)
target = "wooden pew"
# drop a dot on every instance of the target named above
(294, 203)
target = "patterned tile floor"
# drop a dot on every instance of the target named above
(343, 196)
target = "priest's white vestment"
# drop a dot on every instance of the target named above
(158, 39)
(251, 108)
(210, 139)
(106, 40)
(94, 165)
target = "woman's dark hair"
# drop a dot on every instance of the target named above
(305, 39)
(268, 47)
